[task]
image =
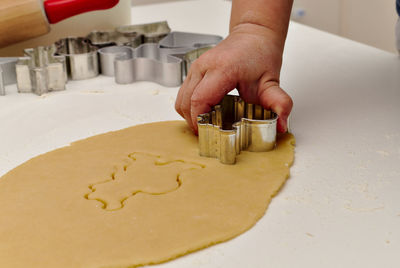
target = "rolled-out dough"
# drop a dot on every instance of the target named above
(137, 196)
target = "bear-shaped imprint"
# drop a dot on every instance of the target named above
(136, 177)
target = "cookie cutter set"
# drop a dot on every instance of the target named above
(149, 52)
(165, 62)
(234, 126)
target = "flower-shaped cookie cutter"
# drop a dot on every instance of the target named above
(234, 126)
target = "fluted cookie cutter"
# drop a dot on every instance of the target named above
(7, 73)
(234, 126)
(40, 71)
(162, 63)
(81, 57)
(130, 35)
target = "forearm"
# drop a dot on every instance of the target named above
(273, 15)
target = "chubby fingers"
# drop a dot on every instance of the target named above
(209, 92)
(200, 92)
(271, 96)
(182, 104)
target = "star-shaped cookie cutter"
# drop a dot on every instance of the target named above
(163, 63)
(234, 126)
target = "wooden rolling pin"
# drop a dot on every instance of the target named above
(24, 19)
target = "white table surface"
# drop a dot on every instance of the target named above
(341, 206)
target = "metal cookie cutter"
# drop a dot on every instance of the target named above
(162, 63)
(199, 44)
(234, 126)
(149, 32)
(130, 35)
(113, 38)
(81, 57)
(7, 73)
(192, 40)
(41, 71)
(191, 56)
(146, 63)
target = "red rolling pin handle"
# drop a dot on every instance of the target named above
(58, 10)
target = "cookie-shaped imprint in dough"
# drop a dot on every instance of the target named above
(133, 197)
(135, 177)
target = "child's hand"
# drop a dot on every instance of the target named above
(249, 59)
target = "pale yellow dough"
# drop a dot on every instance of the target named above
(137, 196)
